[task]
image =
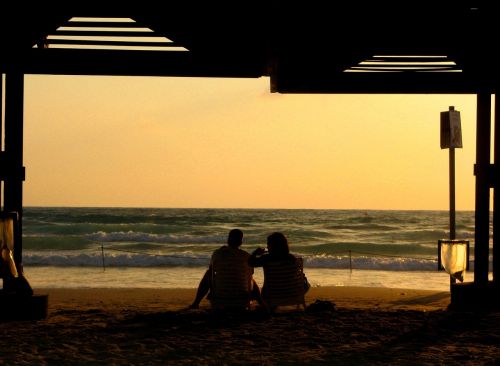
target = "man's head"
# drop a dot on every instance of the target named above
(235, 238)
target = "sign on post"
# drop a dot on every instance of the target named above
(451, 129)
(455, 129)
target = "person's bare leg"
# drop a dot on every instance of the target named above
(202, 291)
(256, 295)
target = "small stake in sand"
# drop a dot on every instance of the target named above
(102, 252)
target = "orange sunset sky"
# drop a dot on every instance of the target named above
(192, 142)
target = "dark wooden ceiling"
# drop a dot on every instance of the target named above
(314, 46)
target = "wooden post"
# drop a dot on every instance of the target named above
(1, 134)
(13, 186)
(496, 197)
(482, 218)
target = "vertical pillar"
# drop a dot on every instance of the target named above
(1, 93)
(481, 238)
(13, 186)
(1, 135)
(496, 197)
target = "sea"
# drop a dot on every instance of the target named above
(171, 247)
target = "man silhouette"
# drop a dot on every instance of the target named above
(229, 254)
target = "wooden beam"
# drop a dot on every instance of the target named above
(111, 43)
(403, 68)
(380, 83)
(421, 59)
(137, 63)
(103, 24)
(99, 33)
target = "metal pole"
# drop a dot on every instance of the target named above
(452, 200)
(452, 194)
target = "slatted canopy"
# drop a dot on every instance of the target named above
(308, 47)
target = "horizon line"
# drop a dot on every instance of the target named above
(246, 208)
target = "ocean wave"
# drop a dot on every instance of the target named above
(361, 227)
(372, 263)
(113, 257)
(368, 248)
(141, 237)
(65, 236)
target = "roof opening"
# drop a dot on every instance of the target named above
(406, 63)
(107, 34)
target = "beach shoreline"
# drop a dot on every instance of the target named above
(153, 327)
(175, 299)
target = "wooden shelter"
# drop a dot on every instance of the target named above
(431, 47)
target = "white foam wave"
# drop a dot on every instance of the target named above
(135, 259)
(140, 237)
(373, 263)
(115, 259)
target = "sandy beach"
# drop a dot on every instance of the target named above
(153, 327)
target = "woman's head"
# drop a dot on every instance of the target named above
(277, 244)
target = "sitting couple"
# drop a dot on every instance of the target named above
(231, 271)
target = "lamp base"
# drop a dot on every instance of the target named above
(470, 296)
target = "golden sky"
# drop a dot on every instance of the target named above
(192, 142)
